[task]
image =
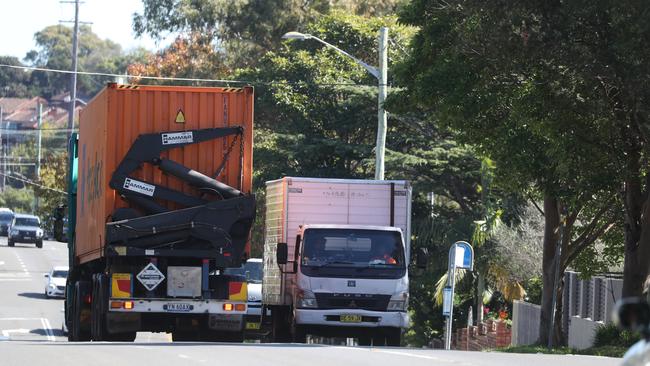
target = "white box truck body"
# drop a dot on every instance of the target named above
(347, 245)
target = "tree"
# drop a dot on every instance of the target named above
(14, 82)
(245, 29)
(54, 51)
(51, 187)
(502, 90)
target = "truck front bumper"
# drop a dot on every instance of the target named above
(369, 319)
(176, 306)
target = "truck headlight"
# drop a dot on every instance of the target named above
(306, 299)
(13, 232)
(398, 302)
(39, 233)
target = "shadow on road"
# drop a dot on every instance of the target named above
(43, 332)
(33, 295)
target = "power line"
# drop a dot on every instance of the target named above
(167, 78)
(30, 182)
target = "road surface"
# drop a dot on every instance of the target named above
(30, 334)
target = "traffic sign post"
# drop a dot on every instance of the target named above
(461, 255)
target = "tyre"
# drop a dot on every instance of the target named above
(217, 336)
(365, 340)
(78, 332)
(299, 333)
(39, 244)
(10, 243)
(97, 314)
(394, 337)
(280, 329)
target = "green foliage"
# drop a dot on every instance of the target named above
(534, 290)
(611, 335)
(14, 83)
(20, 200)
(53, 181)
(53, 50)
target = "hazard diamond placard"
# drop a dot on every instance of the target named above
(150, 277)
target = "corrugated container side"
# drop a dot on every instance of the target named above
(274, 233)
(119, 114)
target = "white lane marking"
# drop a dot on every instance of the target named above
(398, 353)
(183, 356)
(48, 329)
(19, 319)
(9, 331)
(2, 263)
(14, 279)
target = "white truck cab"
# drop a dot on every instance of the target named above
(341, 268)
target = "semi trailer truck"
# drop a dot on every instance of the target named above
(336, 257)
(159, 205)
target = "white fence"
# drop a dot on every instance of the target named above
(586, 304)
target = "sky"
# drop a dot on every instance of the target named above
(111, 19)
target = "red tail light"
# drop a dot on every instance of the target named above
(88, 299)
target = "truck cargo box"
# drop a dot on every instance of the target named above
(111, 122)
(292, 201)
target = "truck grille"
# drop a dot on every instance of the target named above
(352, 301)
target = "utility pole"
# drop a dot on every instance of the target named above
(73, 83)
(38, 146)
(381, 112)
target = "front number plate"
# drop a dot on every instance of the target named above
(349, 318)
(181, 307)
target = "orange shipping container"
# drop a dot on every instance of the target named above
(111, 122)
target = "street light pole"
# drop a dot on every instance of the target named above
(381, 74)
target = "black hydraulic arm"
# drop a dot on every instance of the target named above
(147, 148)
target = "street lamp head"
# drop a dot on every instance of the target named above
(296, 35)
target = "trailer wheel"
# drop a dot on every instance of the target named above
(280, 330)
(78, 333)
(39, 244)
(97, 317)
(299, 333)
(185, 336)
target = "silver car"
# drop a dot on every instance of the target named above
(25, 229)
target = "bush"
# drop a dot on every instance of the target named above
(611, 335)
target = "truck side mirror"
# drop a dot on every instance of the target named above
(59, 214)
(422, 258)
(282, 253)
(633, 313)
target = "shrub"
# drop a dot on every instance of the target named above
(611, 335)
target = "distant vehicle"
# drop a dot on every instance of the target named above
(252, 270)
(55, 282)
(25, 229)
(6, 215)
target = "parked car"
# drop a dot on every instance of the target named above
(55, 281)
(25, 229)
(252, 270)
(6, 216)
(633, 314)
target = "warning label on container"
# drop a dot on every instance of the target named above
(150, 276)
(177, 138)
(140, 187)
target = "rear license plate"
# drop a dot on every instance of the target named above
(178, 307)
(253, 326)
(349, 318)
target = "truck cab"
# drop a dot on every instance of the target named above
(351, 281)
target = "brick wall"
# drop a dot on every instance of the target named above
(487, 335)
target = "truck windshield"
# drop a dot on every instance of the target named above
(251, 270)
(352, 248)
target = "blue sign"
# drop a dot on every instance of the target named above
(462, 255)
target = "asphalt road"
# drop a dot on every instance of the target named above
(30, 334)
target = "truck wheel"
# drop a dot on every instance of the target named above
(122, 337)
(365, 340)
(299, 333)
(10, 243)
(78, 333)
(97, 316)
(394, 337)
(280, 332)
(39, 244)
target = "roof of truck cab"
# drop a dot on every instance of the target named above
(362, 227)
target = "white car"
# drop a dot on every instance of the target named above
(55, 282)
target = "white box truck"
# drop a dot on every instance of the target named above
(336, 258)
